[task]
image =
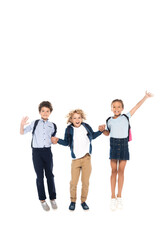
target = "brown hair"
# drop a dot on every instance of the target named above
(118, 100)
(45, 104)
(78, 111)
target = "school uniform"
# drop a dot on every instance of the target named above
(118, 128)
(79, 140)
(42, 156)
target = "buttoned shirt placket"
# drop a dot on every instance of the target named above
(44, 133)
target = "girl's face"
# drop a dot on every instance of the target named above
(45, 112)
(76, 120)
(117, 108)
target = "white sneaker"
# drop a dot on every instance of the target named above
(45, 206)
(113, 204)
(53, 204)
(119, 203)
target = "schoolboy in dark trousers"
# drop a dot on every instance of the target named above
(42, 131)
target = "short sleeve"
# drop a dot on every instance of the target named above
(128, 115)
(29, 128)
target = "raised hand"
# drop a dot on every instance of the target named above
(24, 121)
(148, 94)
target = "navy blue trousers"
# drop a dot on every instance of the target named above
(43, 163)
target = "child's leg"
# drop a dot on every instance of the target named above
(86, 172)
(113, 176)
(75, 172)
(38, 166)
(48, 166)
(121, 168)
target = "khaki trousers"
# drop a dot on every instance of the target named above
(82, 165)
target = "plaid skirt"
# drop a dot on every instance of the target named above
(119, 149)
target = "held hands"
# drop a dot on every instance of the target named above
(54, 140)
(101, 128)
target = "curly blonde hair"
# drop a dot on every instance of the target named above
(78, 111)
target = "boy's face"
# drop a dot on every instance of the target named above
(45, 112)
(76, 120)
(117, 108)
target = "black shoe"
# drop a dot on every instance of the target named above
(72, 206)
(84, 206)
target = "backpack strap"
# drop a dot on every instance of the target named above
(127, 119)
(55, 130)
(129, 126)
(107, 123)
(69, 134)
(88, 128)
(34, 128)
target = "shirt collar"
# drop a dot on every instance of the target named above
(43, 120)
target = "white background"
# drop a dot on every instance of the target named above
(79, 54)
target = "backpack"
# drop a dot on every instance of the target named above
(34, 128)
(69, 135)
(129, 127)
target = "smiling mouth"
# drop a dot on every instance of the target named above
(117, 112)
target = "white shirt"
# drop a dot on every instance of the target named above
(81, 141)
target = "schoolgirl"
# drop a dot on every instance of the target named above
(118, 129)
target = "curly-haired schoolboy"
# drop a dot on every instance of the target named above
(78, 136)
